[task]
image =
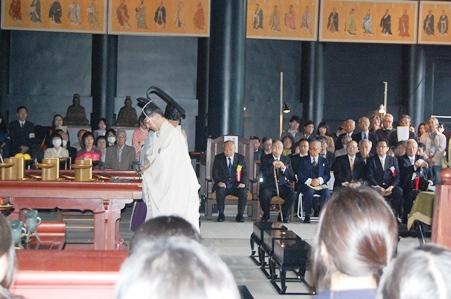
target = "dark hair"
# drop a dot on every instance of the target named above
(424, 272)
(54, 135)
(422, 146)
(296, 119)
(110, 131)
(255, 138)
(6, 247)
(266, 139)
(358, 231)
(53, 120)
(81, 131)
(104, 120)
(21, 107)
(382, 140)
(163, 226)
(308, 123)
(85, 136)
(101, 137)
(288, 136)
(322, 124)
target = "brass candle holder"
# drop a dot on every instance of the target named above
(12, 169)
(6, 169)
(83, 170)
(50, 169)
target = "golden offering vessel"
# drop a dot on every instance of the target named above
(12, 169)
(83, 170)
(50, 169)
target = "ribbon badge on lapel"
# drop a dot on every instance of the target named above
(239, 169)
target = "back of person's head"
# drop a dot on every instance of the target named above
(7, 259)
(163, 226)
(421, 273)
(357, 236)
(175, 268)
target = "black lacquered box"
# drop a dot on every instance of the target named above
(291, 252)
(261, 227)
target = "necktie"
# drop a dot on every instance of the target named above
(229, 164)
(315, 162)
(119, 155)
(351, 163)
(21, 124)
(364, 136)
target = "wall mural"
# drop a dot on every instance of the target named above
(282, 19)
(434, 23)
(369, 21)
(55, 15)
(162, 17)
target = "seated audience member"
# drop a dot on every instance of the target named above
(312, 174)
(422, 129)
(301, 151)
(57, 124)
(347, 168)
(257, 147)
(102, 125)
(111, 137)
(230, 177)
(349, 127)
(413, 176)
(89, 151)
(383, 175)
(386, 128)
(66, 144)
(375, 123)
(78, 145)
(21, 133)
(356, 239)
(139, 136)
(288, 144)
(56, 149)
(365, 133)
(323, 131)
(309, 131)
(276, 168)
(101, 146)
(404, 121)
(163, 227)
(293, 129)
(342, 151)
(120, 156)
(400, 149)
(421, 273)
(435, 143)
(175, 267)
(267, 147)
(325, 153)
(7, 259)
(364, 154)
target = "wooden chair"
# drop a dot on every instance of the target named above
(245, 148)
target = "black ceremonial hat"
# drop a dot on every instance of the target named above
(148, 107)
(173, 109)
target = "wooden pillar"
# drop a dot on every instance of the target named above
(5, 44)
(441, 224)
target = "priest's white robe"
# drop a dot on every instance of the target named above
(170, 185)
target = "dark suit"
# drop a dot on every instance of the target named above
(268, 185)
(383, 134)
(20, 136)
(228, 175)
(357, 137)
(306, 171)
(127, 158)
(339, 144)
(407, 169)
(343, 173)
(377, 176)
(364, 167)
(393, 137)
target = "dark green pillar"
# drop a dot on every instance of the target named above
(5, 43)
(416, 83)
(104, 77)
(312, 86)
(202, 93)
(227, 67)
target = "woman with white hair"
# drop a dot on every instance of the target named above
(175, 268)
(422, 273)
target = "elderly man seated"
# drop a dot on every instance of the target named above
(276, 169)
(120, 156)
(313, 173)
(347, 169)
(230, 177)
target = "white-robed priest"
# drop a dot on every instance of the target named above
(170, 185)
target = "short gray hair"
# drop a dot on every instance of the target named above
(174, 268)
(424, 272)
(121, 131)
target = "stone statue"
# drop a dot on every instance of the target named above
(127, 116)
(76, 115)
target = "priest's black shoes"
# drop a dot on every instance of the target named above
(239, 218)
(221, 218)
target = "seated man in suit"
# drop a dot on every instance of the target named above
(309, 131)
(279, 164)
(347, 168)
(349, 127)
(383, 174)
(230, 177)
(386, 128)
(364, 124)
(325, 153)
(120, 156)
(21, 133)
(413, 175)
(312, 174)
(364, 154)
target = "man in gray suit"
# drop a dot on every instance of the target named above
(120, 156)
